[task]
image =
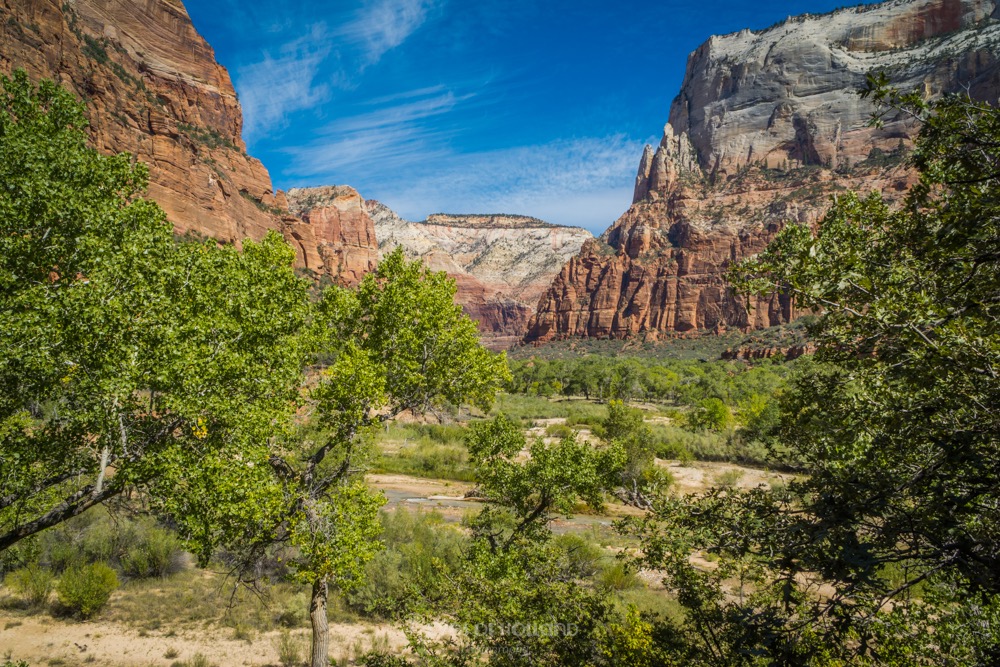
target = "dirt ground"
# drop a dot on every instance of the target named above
(699, 476)
(42, 639)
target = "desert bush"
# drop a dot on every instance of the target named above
(33, 584)
(383, 659)
(85, 589)
(582, 556)
(412, 572)
(678, 443)
(426, 458)
(616, 577)
(289, 649)
(559, 431)
(136, 547)
(153, 554)
(728, 479)
(197, 660)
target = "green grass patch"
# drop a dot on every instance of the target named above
(425, 450)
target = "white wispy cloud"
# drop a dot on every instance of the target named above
(304, 72)
(585, 182)
(280, 84)
(381, 25)
(387, 138)
(397, 155)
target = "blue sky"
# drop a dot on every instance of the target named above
(536, 107)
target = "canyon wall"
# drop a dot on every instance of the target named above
(332, 233)
(152, 88)
(768, 126)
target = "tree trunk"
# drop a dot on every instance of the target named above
(320, 625)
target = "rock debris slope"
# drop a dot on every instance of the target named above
(766, 128)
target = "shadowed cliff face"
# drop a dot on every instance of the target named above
(767, 128)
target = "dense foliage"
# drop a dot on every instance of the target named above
(120, 349)
(718, 410)
(889, 553)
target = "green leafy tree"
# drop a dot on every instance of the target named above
(127, 360)
(626, 428)
(517, 598)
(889, 552)
(712, 414)
(398, 343)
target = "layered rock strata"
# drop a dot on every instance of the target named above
(152, 88)
(332, 232)
(767, 128)
(502, 264)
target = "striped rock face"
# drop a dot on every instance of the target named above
(767, 127)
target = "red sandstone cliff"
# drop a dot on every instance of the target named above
(766, 129)
(332, 232)
(153, 88)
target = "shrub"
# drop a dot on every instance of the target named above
(197, 660)
(34, 584)
(581, 555)
(559, 431)
(84, 590)
(422, 553)
(152, 554)
(728, 479)
(616, 577)
(383, 659)
(289, 649)
(136, 547)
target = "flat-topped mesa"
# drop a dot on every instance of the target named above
(332, 232)
(503, 220)
(152, 88)
(501, 263)
(767, 127)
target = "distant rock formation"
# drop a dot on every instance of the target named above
(501, 263)
(767, 127)
(332, 232)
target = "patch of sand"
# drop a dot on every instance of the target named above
(420, 487)
(699, 476)
(42, 638)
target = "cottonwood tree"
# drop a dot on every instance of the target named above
(889, 552)
(398, 343)
(127, 359)
(516, 597)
